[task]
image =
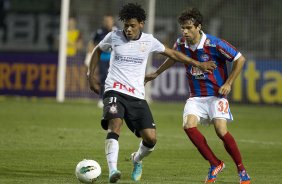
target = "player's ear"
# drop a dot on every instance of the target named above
(142, 23)
(199, 27)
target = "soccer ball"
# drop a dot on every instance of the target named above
(87, 171)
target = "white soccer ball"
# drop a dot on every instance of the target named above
(87, 171)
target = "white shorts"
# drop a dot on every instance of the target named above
(207, 108)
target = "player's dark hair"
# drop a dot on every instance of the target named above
(192, 14)
(132, 11)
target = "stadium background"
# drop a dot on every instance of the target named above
(41, 141)
(29, 37)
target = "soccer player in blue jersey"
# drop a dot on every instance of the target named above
(208, 91)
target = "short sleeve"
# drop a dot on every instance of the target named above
(106, 43)
(227, 51)
(157, 46)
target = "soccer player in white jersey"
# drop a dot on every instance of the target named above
(124, 97)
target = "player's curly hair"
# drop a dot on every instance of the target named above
(132, 11)
(192, 14)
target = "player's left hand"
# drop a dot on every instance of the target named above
(225, 89)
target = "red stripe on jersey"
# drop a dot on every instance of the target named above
(182, 40)
(211, 76)
(182, 45)
(191, 85)
(202, 83)
(182, 48)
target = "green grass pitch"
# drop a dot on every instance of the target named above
(41, 142)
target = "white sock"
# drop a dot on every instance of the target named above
(111, 150)
(142, 152)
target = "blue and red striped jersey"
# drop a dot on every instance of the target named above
(210, 48)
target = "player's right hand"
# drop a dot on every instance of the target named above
(94, 84)
(207, 66)
(150, 77)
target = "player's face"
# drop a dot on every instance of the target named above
(191, 32)
(132, 28)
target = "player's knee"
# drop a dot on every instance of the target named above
(220, 126)
(189, 125)
(149, 136)
(150, 144)
(114, 125)
(189, 122)
(221, 132)
(185, 126)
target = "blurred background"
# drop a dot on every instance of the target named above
(30, 39)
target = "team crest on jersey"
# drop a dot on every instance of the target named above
(143, 47)
(205, 57)
(113, 109)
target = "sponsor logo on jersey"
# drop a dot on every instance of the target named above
(197, 73)
(121, 86)
(209, 44)
(129, 59)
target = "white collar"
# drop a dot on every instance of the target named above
(202, 41)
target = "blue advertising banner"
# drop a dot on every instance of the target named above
(28, 74)
(260, 82)
(35, 74)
